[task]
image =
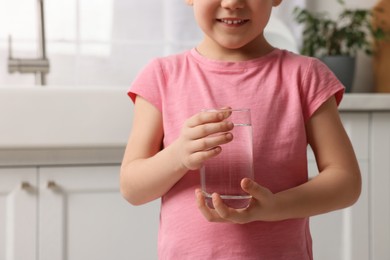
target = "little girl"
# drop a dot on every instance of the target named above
(293, 100)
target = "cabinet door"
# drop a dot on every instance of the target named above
(18, 213)
(380, 185)
(83, 216)
(344, 234)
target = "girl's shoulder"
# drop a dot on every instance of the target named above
(294, 61)
(172, 59)
(295, 58)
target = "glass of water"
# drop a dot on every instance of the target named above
(223, 174)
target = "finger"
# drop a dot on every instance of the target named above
(205, 117)
(220, 206)
(261, 196)
(238, 216)
(208, 129)
(209, 142)
(208, 213)
(227, 111)
(197, 158)
(253, 188)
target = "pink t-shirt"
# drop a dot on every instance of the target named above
(282, 90)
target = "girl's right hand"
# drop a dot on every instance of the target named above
(201, 137)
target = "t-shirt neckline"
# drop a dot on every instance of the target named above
(219, 64)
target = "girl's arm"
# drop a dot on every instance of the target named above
(337, 186)
(147, 170)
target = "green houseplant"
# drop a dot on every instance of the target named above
(337, 41)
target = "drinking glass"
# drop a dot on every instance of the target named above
(223, 173)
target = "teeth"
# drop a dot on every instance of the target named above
(232, 21)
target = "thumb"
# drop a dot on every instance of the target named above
(253, 188)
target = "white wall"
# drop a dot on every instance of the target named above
(106, 42)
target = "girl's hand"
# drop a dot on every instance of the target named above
(262, 207)
(201, 137)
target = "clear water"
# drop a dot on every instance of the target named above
(223, 173)
(236, 202)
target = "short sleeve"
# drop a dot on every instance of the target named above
(318, 85)
(148, 84)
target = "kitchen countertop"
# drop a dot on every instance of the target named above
(63, 125)
(365, 102)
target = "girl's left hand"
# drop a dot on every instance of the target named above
(262, 207)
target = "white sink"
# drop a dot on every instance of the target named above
(60, 117)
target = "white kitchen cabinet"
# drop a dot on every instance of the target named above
(380, 186)
(344, 234)
(18, 213)
(83, 216)
(74, 213)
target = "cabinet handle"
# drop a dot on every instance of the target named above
(51, 185)
(25, 185)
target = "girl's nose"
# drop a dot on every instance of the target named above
(232, 4)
